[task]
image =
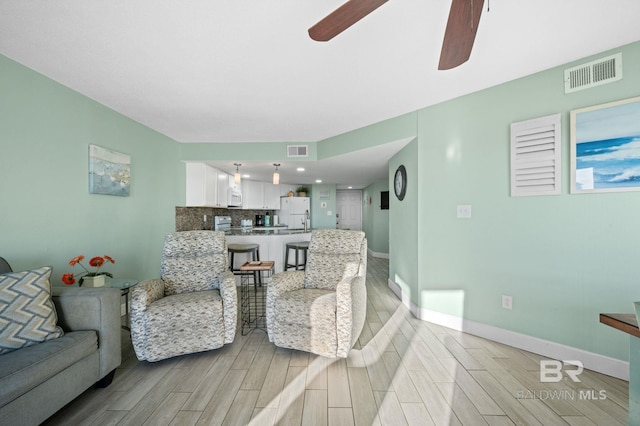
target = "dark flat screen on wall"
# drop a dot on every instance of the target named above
(384, 200)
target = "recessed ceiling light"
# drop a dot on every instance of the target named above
(300, 169)
(349, 187)
(318, 180)
(246, 176)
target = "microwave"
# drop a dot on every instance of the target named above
(235, 198)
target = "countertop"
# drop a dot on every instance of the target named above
(272, 230)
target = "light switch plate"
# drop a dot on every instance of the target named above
(464, 211)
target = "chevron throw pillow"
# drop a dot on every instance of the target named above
(27, 313)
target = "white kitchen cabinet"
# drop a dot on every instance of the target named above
(201, 185)
(271, 196)
(260, 195)
(206, 186)
(222, 188)
(252, 198)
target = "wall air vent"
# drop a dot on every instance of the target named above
(297, 150)
(595, 73)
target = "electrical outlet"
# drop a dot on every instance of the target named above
(507, 302)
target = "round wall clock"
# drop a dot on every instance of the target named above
(400, 182)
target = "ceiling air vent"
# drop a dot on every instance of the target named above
(297, 150)
(595, 73)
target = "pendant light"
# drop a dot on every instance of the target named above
(276, 175)
(236, 176)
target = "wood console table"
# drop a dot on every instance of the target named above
(623, 322)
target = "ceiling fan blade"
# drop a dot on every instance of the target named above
(460, 34)
(342, 18)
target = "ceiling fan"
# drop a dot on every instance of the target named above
(462, 25)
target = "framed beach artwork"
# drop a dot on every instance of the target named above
(605, 147)
(109, 172)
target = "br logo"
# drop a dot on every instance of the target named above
(552, 371)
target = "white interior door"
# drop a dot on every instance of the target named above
(349, 210)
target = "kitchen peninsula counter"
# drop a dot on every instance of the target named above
(266, 231)
(272, 242)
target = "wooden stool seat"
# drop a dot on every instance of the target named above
(299, 246)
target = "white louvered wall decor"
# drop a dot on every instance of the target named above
(536, 156)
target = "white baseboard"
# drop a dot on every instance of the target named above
(380, 255)
(592, 361)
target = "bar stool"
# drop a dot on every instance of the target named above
(300, 246)
(252, 248)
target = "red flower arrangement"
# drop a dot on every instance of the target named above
(95, 262)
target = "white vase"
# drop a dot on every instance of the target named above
(97, 281)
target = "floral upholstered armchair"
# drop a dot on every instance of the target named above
(193, 306)
(321, 309)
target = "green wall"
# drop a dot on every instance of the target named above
(390, 130)
(404, 222)
(320, 217)
(48, 215)
(563, 259)
(375, 222)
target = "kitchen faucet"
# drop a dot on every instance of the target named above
(306, 220)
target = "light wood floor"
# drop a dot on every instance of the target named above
(403, 371)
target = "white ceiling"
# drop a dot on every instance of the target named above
(348, 171)
(246, 70)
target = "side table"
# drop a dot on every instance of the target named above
(124, 284)
(253, 298)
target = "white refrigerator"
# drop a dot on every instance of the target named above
(294, 211)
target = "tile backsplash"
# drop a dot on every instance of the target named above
(192, 218)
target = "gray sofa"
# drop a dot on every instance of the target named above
(36, 381)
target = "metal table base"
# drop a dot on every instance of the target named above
(253, 295)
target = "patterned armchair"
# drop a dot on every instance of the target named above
(193, 306)
(321, 309)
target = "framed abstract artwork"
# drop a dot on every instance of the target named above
(109, 172)
(605, 147)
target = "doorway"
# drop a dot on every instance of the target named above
(349, 210)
